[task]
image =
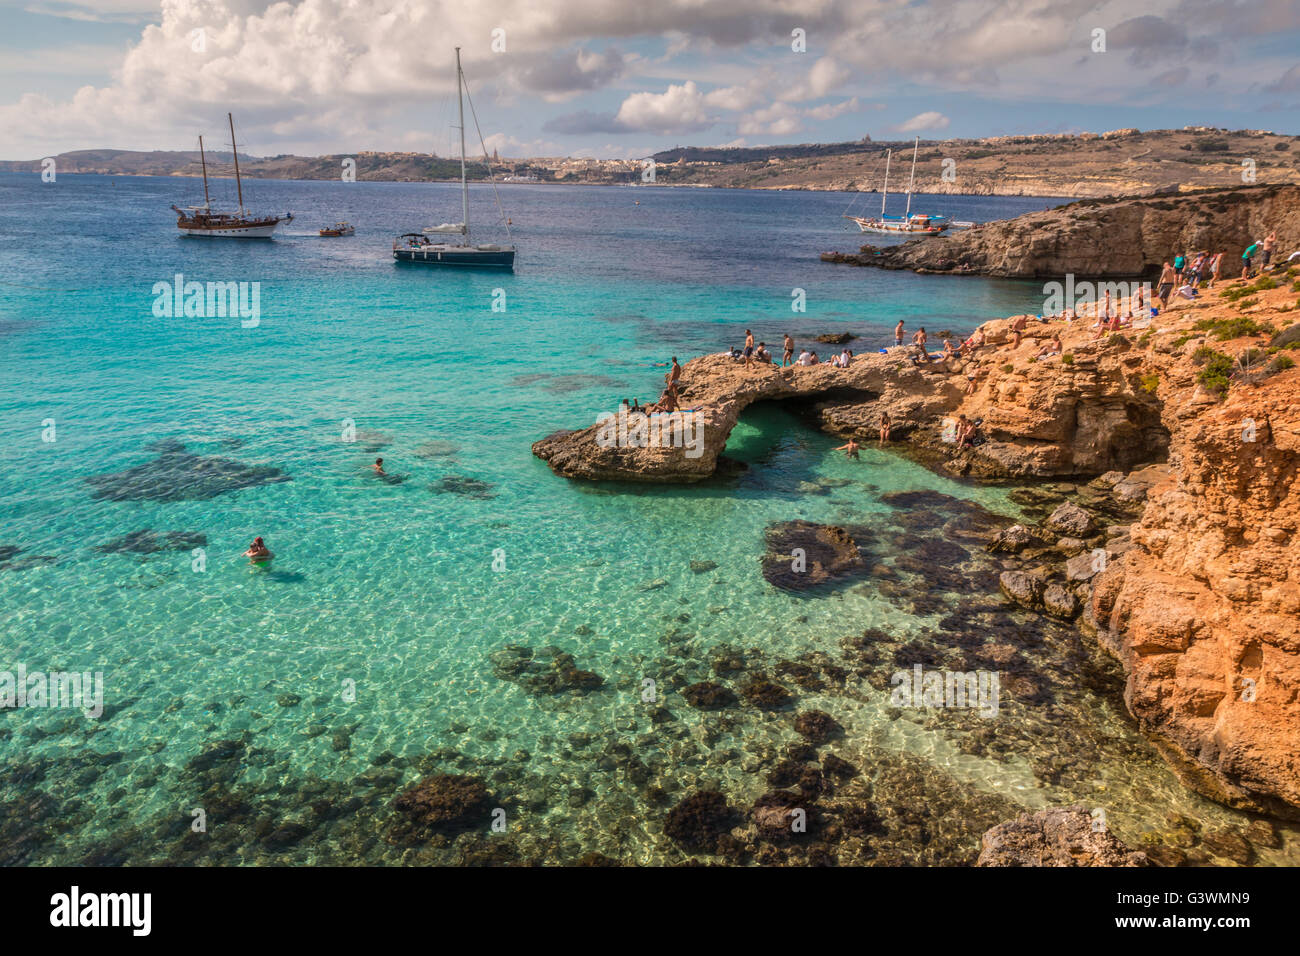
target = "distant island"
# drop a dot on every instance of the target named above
(1086, 165)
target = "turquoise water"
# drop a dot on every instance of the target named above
(391, 588)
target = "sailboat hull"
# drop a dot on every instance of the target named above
(435, 255)
(899, 227)
(256, 230)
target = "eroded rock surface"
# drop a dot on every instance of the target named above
(1055, 837)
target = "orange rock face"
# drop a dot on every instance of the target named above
(1205, 611)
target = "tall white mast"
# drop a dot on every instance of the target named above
(885, 196)
(464, 187)
(911, 178)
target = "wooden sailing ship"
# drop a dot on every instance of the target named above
(204, 222)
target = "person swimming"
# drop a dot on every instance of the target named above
(379, 467)
(850, 450)
(258, 551)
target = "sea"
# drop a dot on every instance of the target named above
(471, 613)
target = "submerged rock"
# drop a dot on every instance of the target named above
(1061, 836)
(707, 695)
(436, 449)
(777, 813)
(9, 560)
(700, 819)
(548, 671)
(817, 726)
(446, 802)
(766, 694)
(150, 542)
(803, 554)
(177, 475)
(464, 486)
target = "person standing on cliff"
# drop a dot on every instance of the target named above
(787, 357)
(674, 373)
(1246, 257)
(898, 333)
(1216, 263)
(749, 347)
(1166, 285)
(1269, 242)
(919, 340)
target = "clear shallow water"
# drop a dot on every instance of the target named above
(392, 586)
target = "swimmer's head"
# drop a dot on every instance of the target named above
(257, 541)
(379, 461)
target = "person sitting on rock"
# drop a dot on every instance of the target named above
(885, 427)
(805, 358)
(1051, 348)
(964, 427)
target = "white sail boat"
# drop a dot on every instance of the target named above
(418, 247)
(907, 224)
(203, 222)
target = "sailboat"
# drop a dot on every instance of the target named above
(907, 224)
(418, 247)
(202, 221)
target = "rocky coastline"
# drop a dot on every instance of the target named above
(1101, 238)
(1173, 544)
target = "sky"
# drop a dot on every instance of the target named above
(627, 78)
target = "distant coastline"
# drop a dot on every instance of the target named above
(1084, 166)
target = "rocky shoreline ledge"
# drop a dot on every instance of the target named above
(1101, 238)
(1193, 424)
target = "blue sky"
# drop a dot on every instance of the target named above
(628, 77)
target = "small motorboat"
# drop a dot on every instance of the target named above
(339, 229)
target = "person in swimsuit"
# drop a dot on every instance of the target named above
(749, 347)
(379, 467)
(1215, 264)
(257, 550)
(898, 333)
(884, 427)
(788, 346)
(919, 340)
(850, 450)
(1166, 285)
(1269, 242)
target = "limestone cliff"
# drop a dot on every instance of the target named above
(1202, 606)
(1103, 238)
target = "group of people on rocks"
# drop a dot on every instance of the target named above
(1189, 269)
(757, 354)
(669, 400)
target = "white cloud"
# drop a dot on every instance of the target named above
(679, 109)
(320, 73)
(924, 121)
(779, 119)
(831, 110)
(825, 76)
